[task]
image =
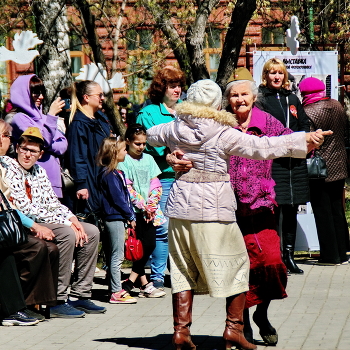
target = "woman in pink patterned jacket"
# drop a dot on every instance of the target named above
(255, 195)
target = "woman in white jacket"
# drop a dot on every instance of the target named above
(206, 247)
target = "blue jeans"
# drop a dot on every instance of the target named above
(116, 238)
(160, 253)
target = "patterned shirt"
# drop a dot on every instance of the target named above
(32, 193)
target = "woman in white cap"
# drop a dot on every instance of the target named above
(207, 251)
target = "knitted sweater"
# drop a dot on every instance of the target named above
(250, 178)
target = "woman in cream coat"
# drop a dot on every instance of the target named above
(207, 251)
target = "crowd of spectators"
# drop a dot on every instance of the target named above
(202, 157)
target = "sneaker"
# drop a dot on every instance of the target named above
(122, 297)
(159, 284)
(34, 314)
(149, 291)
(87, 306)
(65, 311)
(19, 318)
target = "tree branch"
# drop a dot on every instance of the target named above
(241, 15)
(178, 46)
(195, 38)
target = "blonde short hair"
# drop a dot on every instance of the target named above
(274, 63)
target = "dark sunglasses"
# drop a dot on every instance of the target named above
(38, 90)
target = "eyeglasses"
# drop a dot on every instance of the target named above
(37, 94)
(100, 95)
(37, 91)
(8, 137)
(25, 150)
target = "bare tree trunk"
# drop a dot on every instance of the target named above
(241, 15)
(164, 22)
(98, 57)
(54, 63)
(195, 38)
(116, 37)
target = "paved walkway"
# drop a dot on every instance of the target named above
(314, 316)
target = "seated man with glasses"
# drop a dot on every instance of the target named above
(32, 193)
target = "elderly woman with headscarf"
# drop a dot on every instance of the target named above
(202, 202)
(327, 194)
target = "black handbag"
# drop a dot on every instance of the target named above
(12, 232)
(67, 180)
(316, 167)
(91, 218)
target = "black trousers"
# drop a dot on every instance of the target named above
(332, 229)
(11, 296)
(289, 223)
(146, 233)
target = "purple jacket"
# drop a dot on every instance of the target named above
(250, 178)
(55, 142)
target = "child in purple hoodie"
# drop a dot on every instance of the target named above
(27, 93)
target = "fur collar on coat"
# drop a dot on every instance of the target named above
(199, 111)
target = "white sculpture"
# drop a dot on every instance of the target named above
(22, 42)
(292, 34)
(96, 73)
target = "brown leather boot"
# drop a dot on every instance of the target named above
(182, 313)
(233, 333)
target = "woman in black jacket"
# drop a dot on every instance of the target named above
(290, 174)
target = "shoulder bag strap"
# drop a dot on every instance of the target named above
(5, 201)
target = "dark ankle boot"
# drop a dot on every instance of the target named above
(182, 313)
(288, 258)
(233, 333)
(267, 332)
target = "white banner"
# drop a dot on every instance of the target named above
(301, 64)
(319, 64)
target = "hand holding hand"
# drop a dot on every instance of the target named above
(176, 161)
(56, 106)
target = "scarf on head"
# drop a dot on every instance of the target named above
(313, 97)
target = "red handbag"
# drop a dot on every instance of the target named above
(133, 247)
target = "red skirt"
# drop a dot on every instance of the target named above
(268, 274)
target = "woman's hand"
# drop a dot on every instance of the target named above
(83, 194)
(56, 106)
(42, 232)
(315, 139)
(176, 161)
(80, 235)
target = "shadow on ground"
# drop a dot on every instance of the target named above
(163, 342)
